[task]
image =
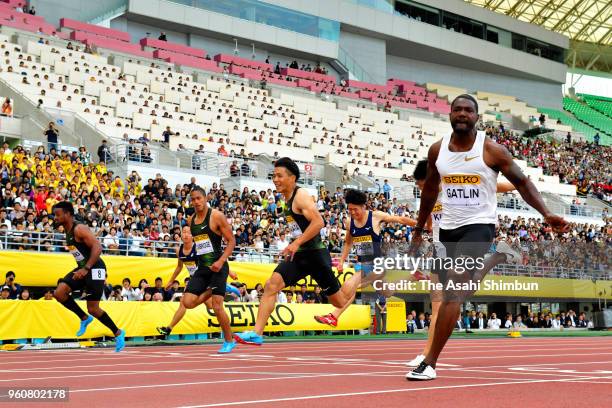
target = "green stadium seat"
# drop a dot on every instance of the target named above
(590, 116)
(599, 103)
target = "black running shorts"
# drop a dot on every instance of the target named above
(204, 279)
(317, 263)
(469, 241)
(92, 284)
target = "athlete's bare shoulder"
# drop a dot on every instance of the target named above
(434, 150)
(303, 199)
(495, 155)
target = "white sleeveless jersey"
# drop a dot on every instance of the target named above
(469, 186)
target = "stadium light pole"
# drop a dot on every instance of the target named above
(236, 47)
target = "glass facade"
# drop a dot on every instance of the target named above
(264, 13)
(464, 25)
(382, 5)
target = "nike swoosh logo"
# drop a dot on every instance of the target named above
(470, 158)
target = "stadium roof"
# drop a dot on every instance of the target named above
(588, 24)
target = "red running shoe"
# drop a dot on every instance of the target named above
(328, 319)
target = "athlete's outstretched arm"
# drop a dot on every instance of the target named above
(500, 158)
(505, 186)
(395, 219)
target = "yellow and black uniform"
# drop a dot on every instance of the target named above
(207, 246)
(93, 283)
(312, 258)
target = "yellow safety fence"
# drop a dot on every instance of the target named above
(396, 316)
(42, 318)
(43, 269)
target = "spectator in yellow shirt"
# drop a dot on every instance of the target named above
(51, 201)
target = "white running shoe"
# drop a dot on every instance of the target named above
(512, 256)
(424, 372)
(416, 361)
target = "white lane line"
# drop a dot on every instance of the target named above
(378, 392)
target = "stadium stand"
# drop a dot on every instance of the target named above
(590, 116)
(566, 119)
(147, 98)
(599, 103)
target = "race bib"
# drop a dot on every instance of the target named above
(294, 229)
(363, 245)
(462, 190)
(203, 244)
(98, 274)
(78, 256)
(191, 267)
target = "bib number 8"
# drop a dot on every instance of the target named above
(98, 274)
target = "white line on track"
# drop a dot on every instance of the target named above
(308, 375)
(484, 370)
(378, 392)
(565, 363)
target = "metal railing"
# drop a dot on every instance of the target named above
(515, 202)
(353, 66)
(551, 272)
(53, 242)
(131, 152)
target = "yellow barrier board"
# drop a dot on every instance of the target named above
(396, 317)
(42, 318)
(44, 269)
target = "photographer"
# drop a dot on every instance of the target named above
(116, 294)
(14, 288)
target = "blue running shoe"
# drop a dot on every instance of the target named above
(249, 337)
(84, 324)
(120, 341)
(227, 347)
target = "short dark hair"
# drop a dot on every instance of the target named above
(128, 280)
(356, 197)
(159, 278)
(9, 273)
(64, 206)
(290, 165)
(420, 171)
(469, 98)
(198, 189)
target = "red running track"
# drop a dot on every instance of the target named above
(525, 372)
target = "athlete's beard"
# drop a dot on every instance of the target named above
(460, 130)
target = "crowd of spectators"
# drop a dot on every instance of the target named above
(584, 164)
(473, 320)
(136, 217)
